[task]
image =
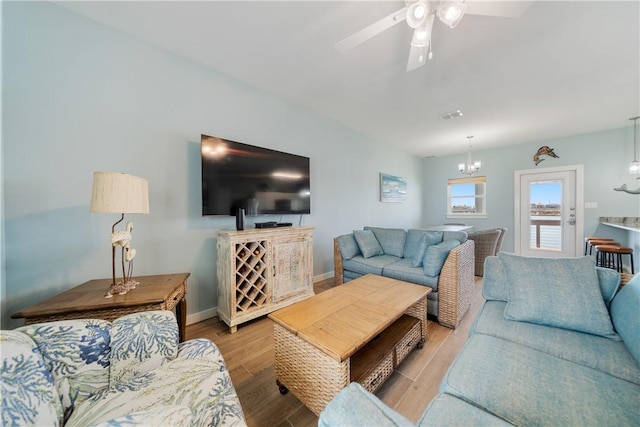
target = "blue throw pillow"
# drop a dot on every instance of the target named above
(609, 283)
(495, 284)
(436, 255)
(348, 246)
(559, 292)
(392, 240)
(429, 238)
(460, 236)
(626, 315)
(413, 242)
(368, 244)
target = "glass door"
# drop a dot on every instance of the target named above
(547, 214)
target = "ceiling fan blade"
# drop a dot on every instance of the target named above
(371, 30)
(506, 9)
(417, 57)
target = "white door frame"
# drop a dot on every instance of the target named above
(579, 227)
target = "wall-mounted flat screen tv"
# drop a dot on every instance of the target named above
(259, 180)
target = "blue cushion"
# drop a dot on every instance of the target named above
(436, 255)
(560, 292)
(609, 282)
(447, 410)
(527, 387)
(402, 270)
(413, 242)
(392, 240)
(354, 406)
(368, 244)
(429, 238)
(373, 265)
(605, 355)
(625, 313)
(460, 236)
(495, 284)
(348, 246)
(350, 275)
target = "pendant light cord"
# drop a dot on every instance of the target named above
(635, 137)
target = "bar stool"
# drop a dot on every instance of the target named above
(604, 259)
(587, 242)
(610, 256)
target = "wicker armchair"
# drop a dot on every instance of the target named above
(488, 243)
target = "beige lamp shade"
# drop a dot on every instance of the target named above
(115, 192)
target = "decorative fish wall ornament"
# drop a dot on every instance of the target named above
(623, 187)
(544, 151)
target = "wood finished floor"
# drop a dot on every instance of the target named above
(249, 357)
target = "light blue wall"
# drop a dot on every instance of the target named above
(605, 155)
(79, 97)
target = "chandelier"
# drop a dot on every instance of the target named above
(470, 167)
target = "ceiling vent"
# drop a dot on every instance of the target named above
(451, 114)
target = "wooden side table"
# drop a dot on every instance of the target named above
(160, 292)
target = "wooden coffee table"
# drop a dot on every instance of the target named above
(359, 331)
(160, 292)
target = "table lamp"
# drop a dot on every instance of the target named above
(115, 192)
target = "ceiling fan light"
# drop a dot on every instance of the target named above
(422, 34)
(451, 12)
(420, 37)
(634, 167)
(417, 13)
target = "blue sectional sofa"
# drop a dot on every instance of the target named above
(443, 261)
(91, 372)
(555, 343)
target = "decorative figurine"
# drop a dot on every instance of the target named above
(123, 239)
(544, 151)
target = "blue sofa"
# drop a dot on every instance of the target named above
(443, 261)
(91, 372)
(555, 343)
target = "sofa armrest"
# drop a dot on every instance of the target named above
(338, 271)
(455, 285)
(354, 406)
(29, 395)
(199, 348)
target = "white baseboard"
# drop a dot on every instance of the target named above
(202, 315)
(322, 277)
(212, 312)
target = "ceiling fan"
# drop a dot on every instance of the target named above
(420, 15)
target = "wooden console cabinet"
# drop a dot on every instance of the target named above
(262, 270)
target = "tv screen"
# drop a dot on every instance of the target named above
(259, 180)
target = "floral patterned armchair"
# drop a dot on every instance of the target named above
(130, 372)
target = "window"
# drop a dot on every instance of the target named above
(466, 197)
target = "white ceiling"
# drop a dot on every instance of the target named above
(561, 68)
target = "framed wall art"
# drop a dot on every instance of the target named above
(392, 188)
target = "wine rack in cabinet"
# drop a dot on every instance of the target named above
(262, 270)
(251, 280)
